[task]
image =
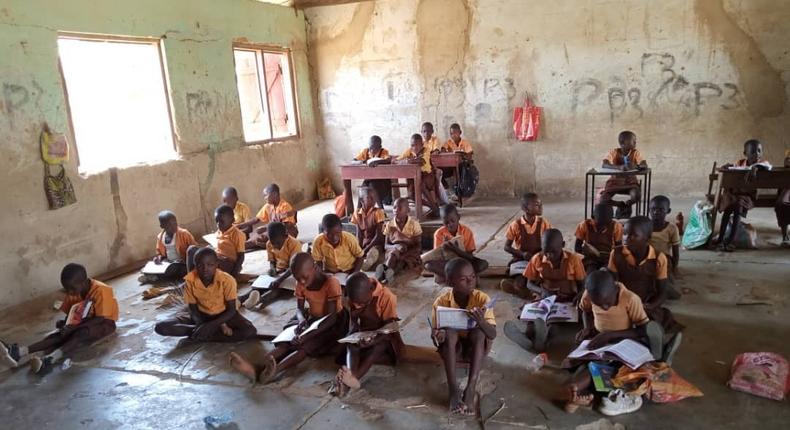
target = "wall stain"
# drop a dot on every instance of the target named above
(326, 53)
(120, 219)
(761, 84)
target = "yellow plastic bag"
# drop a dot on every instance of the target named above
(54, 147)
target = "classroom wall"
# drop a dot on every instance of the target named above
(114, 221)
(693, 79)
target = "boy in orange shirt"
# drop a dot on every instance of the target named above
(383, 187)
(402, 248)
(210, 295)
(459, 145)
(526, 232)
(336, 250)
(280, 249)
(595, 238)
(230, 242)
(625, 158)
(443, 237)
(172, 245)
(99, 324)
(665, 239)
(241, 212)
(275, 209)
(323, 295)
(369, 220)
(371, 306)
(429, 138)
(419, 154)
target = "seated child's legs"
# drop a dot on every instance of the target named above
(242, 329)
(74, 339)
(225, 264)
(176, 271)
(437, 268)
(179, 326)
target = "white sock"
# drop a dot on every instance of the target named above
(56, 355)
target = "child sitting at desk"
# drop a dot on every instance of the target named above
(736, 203)
(369, 220)
(372, 156)
(526, 232)
(625, 158)
(443, 238)
(421, 155)
(429, 138)
(455, 144)
(595, 238)
(402, 248)
(275, 209)
(172, 245)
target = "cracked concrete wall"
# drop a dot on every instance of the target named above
(114, 220)
(693, 79)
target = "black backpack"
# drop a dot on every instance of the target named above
(468, 177)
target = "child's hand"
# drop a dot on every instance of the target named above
(584, 333)
(227, 331)
(274, 284)
(366, 342)
(599, 341)
(438, 336)
(272, 270)
(478, 314)
(158, 259)
(526, 255)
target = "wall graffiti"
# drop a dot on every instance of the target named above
(660, 85)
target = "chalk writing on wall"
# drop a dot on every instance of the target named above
(16, 96)
(660, 85)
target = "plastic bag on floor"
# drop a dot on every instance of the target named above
(657, 381)
(699, 227)
(763, 374)
(745, 236)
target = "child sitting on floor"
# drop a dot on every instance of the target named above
(443, 238)
(374, 155)
(336, 250)
(323, 295)
(625, 158)
(595, 238)
(369, 220)
(280, 249)
(210, 295)
(642, 270)
(526, 232)
(665, 239)
(172, 244)
(736, 203)
(421, 155)
(403, 243)
(275, 209)
(551, 272)
(241, 212)
(466, 345)
(100, 323)
(230, 243)
(371, 306)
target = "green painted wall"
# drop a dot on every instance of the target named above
(111, 226)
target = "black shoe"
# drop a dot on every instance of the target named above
(41, 365)
(9, 354)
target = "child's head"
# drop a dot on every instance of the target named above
(627, 140)
(359, 289)
(637, 232)
(401, 206)
(752, 150)
(272, 194)
(223, 215)
(74, 279)
(374, 144)
(230, 196)
(303, 268)
(168, 222)
(455, 132)
(602, 289)
(333, 228)
(416, 143)
(206, 264)
(531, 204)
(277, 234)
(427, 131)
(603, 214)
(450, 217)
(368, 197)
(659, 208)
(552, 244)
(460, 276)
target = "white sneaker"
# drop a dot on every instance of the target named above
(252, 300)
(618, 403)
(370, 259)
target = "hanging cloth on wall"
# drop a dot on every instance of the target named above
(55, 152)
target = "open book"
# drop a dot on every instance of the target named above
(440, 253)
(152, 268)
(550, 310)
(630, 352)
(764, 164)
(78, 313)
(211, 239)
(342, 277)
(392, 327)
(263, 281)
(610, 170)
(376, 160)
(289, 334)
(518, 268)
(456, 318)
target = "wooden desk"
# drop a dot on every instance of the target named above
(446, 160)
(382, 171)
(777, 178)
(589, 188)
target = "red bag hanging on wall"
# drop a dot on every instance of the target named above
(526, 122)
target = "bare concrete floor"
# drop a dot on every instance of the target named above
(137, 379)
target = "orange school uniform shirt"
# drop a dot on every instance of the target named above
(368, 219)
(424, 155)
(617, 158)
(317, 299)
(627, 313)
(281, 258)
(574, 269)
(463, 146)
(412, 228)
(270, 213)
(514, 232)
(104, 303)
(365, 154)
(584, 227)
(210, 299)
(183, 240)
(230, 242)
(241, 213)
(661, 261)
(477, 299)
(338, 258)
(387, 303)
(442, 235)
(433, 144)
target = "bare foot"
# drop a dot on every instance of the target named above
(269, 370)
(348, 378)
(576, 400)
(242, 366)
(469, 399)
(226, 330)
(457, 407)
